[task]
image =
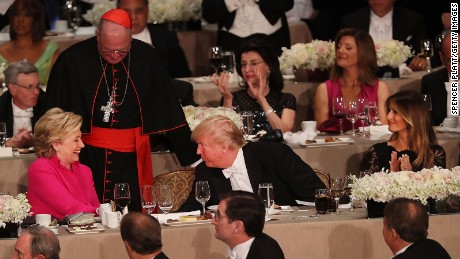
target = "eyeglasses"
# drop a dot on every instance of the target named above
(111, 52)
(31, 87)
(218, 216)
(251, 64)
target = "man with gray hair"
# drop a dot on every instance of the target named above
(37, 242)
(23, 104)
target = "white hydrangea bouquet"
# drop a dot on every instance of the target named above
(391, 53)
(435, 183)
(13, 209)
(161, 11)
(317, 54)
(94, 15)
(195, 115)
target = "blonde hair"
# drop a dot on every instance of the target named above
(222, 130)
(54, 126)
(410, 105)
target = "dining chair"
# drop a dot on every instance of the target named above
(324, 177)
(180, 182)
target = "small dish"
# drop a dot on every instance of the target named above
(321, 142)
(288, 77)
(96, 228)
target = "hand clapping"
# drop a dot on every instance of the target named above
(399, 164)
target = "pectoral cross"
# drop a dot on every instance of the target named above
(107, 110)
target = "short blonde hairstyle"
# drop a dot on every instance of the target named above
(222, 130)
(54, 126)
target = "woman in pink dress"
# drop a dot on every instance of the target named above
(352, 76)
(58, 184)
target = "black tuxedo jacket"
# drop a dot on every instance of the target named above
(264, 246)
(426, 249)
(6, 111)
(171, 52)
(408, 26)
(266, 162)
(161, 256)
(433, 84)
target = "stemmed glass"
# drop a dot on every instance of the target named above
(339, 109)
(427, 99)
(149, 200)
(202, 193)
(248, 123)
(373, 115)
(352, 114)
(336, 191)
(267, 196)
(165, 198)
(2, 134)
(215, 57)
(122, 196)
(362, 112)
(73, 15)
(228, 61)
(427, 52)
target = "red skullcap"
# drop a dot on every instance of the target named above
(118, 16)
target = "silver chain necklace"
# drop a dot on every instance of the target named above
(109, 108)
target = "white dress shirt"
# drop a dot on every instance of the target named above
(22, 118)
(249, 19)
(144, 36)
(240, 251)
(381, 28)
(238, 174)
(402, 250)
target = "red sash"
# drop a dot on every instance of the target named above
(125, 140)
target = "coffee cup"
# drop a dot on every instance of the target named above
(450, 122)
(43, 219)
(102, 211)
(308, 126)
(60, 26)
(113, 219)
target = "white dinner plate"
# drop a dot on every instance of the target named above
(322, 143)
(190, 223)
(202, 79)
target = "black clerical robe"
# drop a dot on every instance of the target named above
(82, 82)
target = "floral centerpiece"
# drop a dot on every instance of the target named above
(94, 15)
(161, 11)
(13, 209)
(195, 115)
(317, 54)
(436, 183)
(391, 53)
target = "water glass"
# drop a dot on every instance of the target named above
(165, 198)
(122, 195)
(248, 122)
(149, 200)
(267, 196)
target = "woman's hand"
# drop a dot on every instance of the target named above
(222, 85)
(394, 162)
(259, 90)
(404, 162)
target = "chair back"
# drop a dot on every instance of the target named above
(180, 182)
(324, 177)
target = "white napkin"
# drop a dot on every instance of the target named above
(345, 206)
(6, 151)
(299, 137)
(380, 129)
(404, 70)
(162, 218)
(307, 203)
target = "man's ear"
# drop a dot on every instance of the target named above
(39, 256)
(238, 227)
(394, 235)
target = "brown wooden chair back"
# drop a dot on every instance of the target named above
(324, 177)
(180, 182)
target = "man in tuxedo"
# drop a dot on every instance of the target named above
(434, 83)
(239, 221)
(37, 242)
(157, 35)
(384, 21)
(141, 235)
(405, 230)
(23, 104)
(229, 163)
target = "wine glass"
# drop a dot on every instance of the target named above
(267, 196)
(339, 110)
(248, 123)
(427, 52)
(352, 115)
(427, 99)
(228, 61)
(165, 198)
(337, 191)
(149, 200)
(215, 57)
(362, 113)
(2, 134)
(373, 115)
(122, 196)
(73, 15)
(202, 193)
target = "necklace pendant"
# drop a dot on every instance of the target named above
(107, 109)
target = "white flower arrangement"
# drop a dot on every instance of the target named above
(435, 183)
(317, 54)
(94, 15)
(392, 53)
(13, 209)
(161, 11)
(195, 115)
